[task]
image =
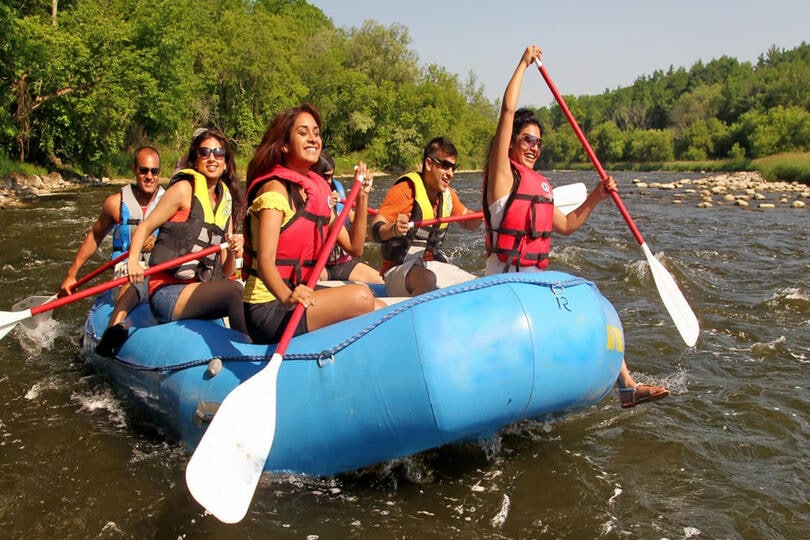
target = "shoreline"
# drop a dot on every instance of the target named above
(21, 191)
(746, 189)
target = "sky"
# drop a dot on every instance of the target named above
(589, 46)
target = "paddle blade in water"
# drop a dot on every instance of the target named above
(677, 306)
(224, 470)
(9, 319)
(30, 302)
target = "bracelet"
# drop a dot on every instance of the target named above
(395, 230)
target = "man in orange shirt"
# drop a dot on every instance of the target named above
(412, 260)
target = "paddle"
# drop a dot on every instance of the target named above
(446, 219)
(567, 198)
(32, 301)
(9, 319)
(677, 306)
(107, 265)
(370, 210)
(224, 470)
(570, 197)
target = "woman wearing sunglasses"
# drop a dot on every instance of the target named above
(197, 211)
(286, 222)
(519, 211)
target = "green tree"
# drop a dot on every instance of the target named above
(650, 145)
(608, 141)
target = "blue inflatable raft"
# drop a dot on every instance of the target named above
(453, 365)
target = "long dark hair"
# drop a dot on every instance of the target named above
(524, 117)
(269, 154)
(229, 175)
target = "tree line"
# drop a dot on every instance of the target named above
(85, 81)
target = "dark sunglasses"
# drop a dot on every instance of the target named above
(146, 170)
(445, 164)
(530, 141)
(205, 151)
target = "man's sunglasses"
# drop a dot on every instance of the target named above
(205, 151)
(445, 164)
(146, 170)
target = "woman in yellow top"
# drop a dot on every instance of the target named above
(287, 216)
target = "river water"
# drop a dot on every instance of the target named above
(726, 455)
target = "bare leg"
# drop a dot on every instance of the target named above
(335, 304)
(212, 299)
(117, 333)
(632, 394)
(127, 300)
(420, 280)
(366, 274)
(625, 380)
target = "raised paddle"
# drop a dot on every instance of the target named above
(224, 470)
(32, 301)
(677, 306)
(9, 319)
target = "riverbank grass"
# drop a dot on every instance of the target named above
(787, 167)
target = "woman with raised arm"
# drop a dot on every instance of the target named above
(519, 211)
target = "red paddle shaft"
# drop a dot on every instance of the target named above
(588, 150)
(326, 250)
(100, 269)
(448, 219)
(90, 291)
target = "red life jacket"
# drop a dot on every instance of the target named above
(524, 235)
(301, 238)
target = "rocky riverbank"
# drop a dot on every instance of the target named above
(743, 189)
(21, 190)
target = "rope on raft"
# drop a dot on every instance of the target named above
(500, 279)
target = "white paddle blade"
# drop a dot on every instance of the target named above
(224, 470)
(568, 198)
(30, 302)
(677, 306)
(9, 319)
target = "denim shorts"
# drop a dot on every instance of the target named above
(164, 300)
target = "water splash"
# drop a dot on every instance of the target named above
(34, 339)
(39, 387)
(498, 520)
(101, 399)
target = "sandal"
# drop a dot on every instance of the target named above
(641, 393)
(111, 340)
